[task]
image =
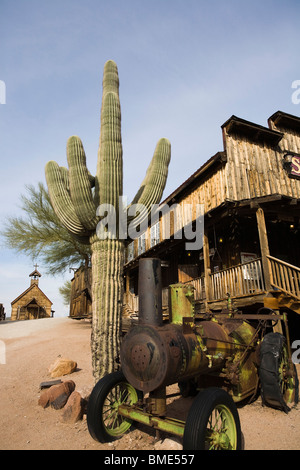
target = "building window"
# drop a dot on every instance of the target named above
(142, 244)
(154, 235)
(130, 252)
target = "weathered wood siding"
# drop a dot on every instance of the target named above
(255, 169)
(210, 193)
(80, 301)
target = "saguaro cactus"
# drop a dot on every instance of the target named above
(75, 195)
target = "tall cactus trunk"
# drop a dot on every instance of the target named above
(107, 269)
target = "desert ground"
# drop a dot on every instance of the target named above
(28, 350)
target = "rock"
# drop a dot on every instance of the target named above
(168, 444)
(62, 366)
(49, 384)
(74, 408)
(44, 399)
(57, 395)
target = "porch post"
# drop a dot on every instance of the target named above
(127, 287)
(207, 270)
(264, 246)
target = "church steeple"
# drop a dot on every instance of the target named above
(35, 276)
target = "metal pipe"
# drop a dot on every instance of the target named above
(150, 292)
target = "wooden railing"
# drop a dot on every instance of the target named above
(284, 276)
(199, 287)
(240, 280)
(131, 302)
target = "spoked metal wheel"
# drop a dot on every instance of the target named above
(104, 422)
(213, 423)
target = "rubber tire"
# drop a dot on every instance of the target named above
(270, 355)
(99, 393)
(196, 423)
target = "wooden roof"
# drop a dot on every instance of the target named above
(285, 120)
(35, 273)
(28, 290)
(252, 131)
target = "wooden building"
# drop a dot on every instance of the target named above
(250, 196)
(2, 313)
(81, 296)
(32, 303)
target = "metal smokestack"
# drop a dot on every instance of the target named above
(150, 292)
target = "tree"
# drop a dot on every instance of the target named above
(76, 197)
(40, 234)
(65, 292)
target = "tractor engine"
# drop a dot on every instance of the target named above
(220, 358)
(155, 354)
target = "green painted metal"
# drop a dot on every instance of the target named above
(221, 433)
(115, 424)
(170, 425)
(182, 302)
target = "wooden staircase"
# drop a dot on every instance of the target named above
(285, 280)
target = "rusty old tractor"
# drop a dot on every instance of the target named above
(223, 359)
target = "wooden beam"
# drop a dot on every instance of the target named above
(264, 246)
(207, 269)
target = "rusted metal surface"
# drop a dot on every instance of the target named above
(150, 292)
(154, 355)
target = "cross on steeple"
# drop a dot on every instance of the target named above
(35, 275)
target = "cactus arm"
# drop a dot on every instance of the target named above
(80, 186)
(153, 185)
(65, 177)
(61, 201)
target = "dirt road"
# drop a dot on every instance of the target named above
(31, 347)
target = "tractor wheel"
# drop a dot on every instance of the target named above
(213, 422)
(104, 422)
(278, 375)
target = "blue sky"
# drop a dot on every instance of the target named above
(185, 67)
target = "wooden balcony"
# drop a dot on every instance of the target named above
(244, 283)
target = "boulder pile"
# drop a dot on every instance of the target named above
(62, 395)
